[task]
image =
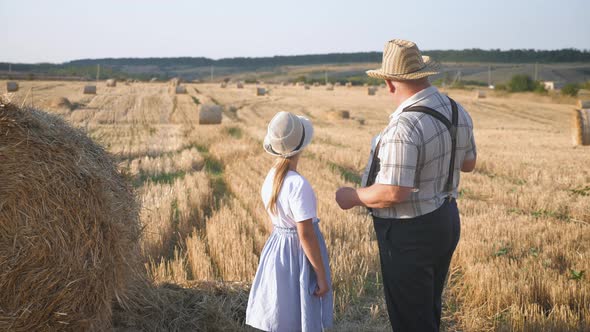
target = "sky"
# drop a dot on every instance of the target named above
(63, 30)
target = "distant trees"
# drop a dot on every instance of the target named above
(572, 89)
(160, 67)
(524, 83)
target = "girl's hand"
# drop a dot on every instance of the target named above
(322, 288)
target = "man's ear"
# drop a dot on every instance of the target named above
(390, 86)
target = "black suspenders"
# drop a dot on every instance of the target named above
(452, 128)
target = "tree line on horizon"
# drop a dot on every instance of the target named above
(113, 67)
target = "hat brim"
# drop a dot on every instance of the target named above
(308, 137)
(431, 68)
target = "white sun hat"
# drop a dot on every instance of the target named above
(287, 134)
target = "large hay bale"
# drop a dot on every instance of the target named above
(338, 115)
(260, 91)
(175, 81)
(210, 114)
(348, 84)
(89, 89)
(111, 83)
(330, 87)
(480, 94)
(61, 103)
(581, 130)
(371, 90)
(11, 86)
(179, 89)
(68, 223)
(583, 104)
(240, 85)
(223, 85)
(306, 86)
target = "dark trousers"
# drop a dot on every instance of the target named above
(415, 257)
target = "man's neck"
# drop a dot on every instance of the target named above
(406, 92)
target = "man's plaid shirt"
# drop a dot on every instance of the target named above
(416, 151)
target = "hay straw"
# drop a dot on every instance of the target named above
(201, 306)
(583, 104)
(210, 114)
(581, 127)
(338, 115)
(61, 103)
(11, 86)
(89, 89)
(69, 226)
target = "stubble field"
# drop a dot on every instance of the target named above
(525, 210)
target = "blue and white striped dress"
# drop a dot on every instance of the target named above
(281, 298)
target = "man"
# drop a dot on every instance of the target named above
(410, 186)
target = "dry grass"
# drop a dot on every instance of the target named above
(68, 226)
(524, 210)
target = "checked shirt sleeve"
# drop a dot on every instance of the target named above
(398, 155)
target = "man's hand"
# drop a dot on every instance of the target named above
(347, 198)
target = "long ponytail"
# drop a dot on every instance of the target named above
(281, 169)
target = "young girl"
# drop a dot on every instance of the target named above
(292, 287)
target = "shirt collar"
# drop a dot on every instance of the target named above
(420, 95)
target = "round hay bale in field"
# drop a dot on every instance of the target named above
(111, 83)
(581, 124)
(180, 89)
(223, 85)
(210, 114)
(348, 84)
(175, 81)
(11, 86)
(330, 87)
(89, 89)
(480, 94)
(371, 91)
(306, 86)
(583, 104)
(338, 115)
(240, 85)
(61, 103)
(260, 91)
(69, 227)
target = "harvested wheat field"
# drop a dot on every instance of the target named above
(521, 265)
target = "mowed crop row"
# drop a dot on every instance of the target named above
(525, 217)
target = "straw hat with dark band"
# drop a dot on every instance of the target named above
(402, 61)
(287, 135)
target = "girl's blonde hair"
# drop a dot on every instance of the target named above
(281, 166)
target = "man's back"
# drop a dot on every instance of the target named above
(416, 151)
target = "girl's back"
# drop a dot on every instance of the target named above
(296, 200)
